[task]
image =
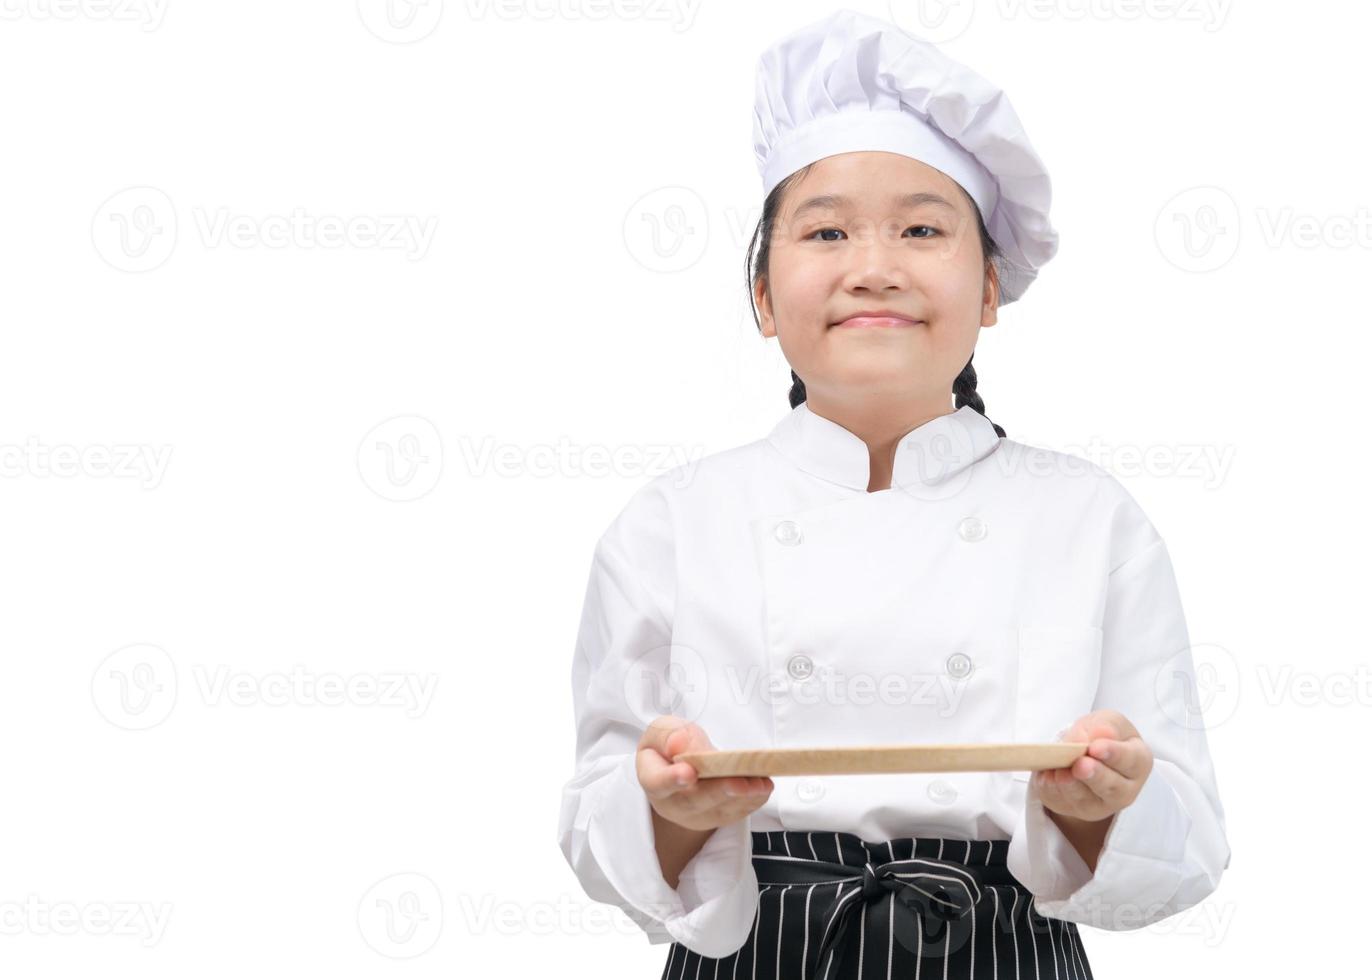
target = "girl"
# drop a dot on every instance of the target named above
(887, 568)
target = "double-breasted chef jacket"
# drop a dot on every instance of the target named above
(996, 592)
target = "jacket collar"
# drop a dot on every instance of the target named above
(927, 455)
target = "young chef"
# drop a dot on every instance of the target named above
(886, 568)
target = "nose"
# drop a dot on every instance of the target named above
(877, 264)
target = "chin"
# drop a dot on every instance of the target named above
(881, 377)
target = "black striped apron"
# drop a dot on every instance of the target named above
(832, 906)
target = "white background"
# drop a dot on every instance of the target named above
(206, 500)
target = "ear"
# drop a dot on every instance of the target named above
(990, 297)
(764, 307)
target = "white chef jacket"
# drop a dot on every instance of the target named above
(996, 592)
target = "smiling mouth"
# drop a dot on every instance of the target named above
(877, 321)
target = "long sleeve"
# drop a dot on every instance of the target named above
(1166, 851)
(620, 683)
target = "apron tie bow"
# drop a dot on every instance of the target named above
(926, 900)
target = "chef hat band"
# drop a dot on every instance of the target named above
(852, 82)
(892, 130)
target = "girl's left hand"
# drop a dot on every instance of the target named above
(1107, 778)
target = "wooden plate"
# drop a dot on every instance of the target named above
(975, 757)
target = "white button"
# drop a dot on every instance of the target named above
(800, 666)
(788, 532)
(941, 791)
(809, 790)
(972, 529)
(959, 665)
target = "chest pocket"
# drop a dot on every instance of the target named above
(1057, 672)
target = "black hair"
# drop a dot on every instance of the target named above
(756, 267)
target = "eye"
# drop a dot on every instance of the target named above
(928, 228)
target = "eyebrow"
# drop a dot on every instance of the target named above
(833, 201)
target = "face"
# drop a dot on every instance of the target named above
(871, 250)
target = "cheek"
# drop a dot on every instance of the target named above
(800, 296)
(951, 274)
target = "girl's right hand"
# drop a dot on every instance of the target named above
(676, 791)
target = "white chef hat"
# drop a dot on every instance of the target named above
(854, 82)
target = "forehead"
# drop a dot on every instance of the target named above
(872, 179)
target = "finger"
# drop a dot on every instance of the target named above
(1049, 789)
(659, 777)
(1092, 726)
(659, 730)
(670, 730)
(1130, 757)
(720, 788)
(688, 737)
(1064, 783)
(653, 763)
(670, 736)
(1054, 778)
(746, 786)
(1109, 723)
(715, 794)
(1047, 780)
(703, 793)
(1107, 785)
(1076, 798)
(1076, 772)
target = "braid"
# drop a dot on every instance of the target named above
(965, 393)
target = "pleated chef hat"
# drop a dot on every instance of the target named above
(854, 82)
